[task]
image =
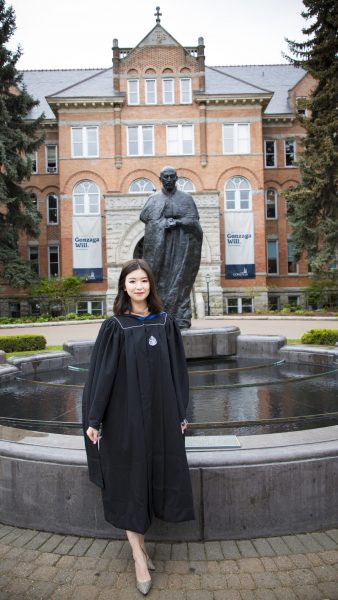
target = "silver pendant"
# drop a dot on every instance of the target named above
(152, 341)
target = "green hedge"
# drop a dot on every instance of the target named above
(324, 337)
(19, 343)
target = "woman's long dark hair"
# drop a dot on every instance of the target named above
(122, 303)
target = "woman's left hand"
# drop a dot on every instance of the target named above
(184, 426)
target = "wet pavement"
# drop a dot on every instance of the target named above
(44, 566)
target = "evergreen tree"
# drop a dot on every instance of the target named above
(313, 205)
(18, 138)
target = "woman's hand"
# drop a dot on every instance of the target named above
(93, 434)
(184, 425)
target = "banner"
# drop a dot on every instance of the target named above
(239, 246)
(87, 248)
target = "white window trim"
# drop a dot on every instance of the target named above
(235, 126)
(180, 140)
(50, 170)
(50, 245)
(274, 153)
(140, 140)
(57, 209)
(89, 306)
(34, 245)
(266, 205)
(172, 89)
(239, 304)
(181, 90)
(86, 212)
(138, 92)
(145, 92)
(237, 198)
(295, 155)
(267, 257)
(85, 142)
(34, 156)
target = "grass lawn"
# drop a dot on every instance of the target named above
(28, 352)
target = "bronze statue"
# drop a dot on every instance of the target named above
(172, 245)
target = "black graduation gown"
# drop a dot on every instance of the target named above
(137, 387)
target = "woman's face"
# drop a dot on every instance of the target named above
(137, 285)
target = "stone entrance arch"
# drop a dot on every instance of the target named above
(124, 231)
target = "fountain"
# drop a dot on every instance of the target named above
(262, 451)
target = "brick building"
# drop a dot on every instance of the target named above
(232, 135)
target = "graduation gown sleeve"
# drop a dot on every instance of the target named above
(178, 366)
(97, 390)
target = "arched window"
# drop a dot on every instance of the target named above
(86, 198)
(141, 185)
(237, 192)
(185, 185)
(271, 204)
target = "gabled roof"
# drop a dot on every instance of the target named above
(158, 36)
(220, 82)
(277, 78)
(98, 85)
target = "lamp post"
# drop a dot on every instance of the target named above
(207, 277)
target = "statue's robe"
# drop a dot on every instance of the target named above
(174, 254)
(137, 388)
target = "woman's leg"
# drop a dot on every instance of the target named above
(141, 569)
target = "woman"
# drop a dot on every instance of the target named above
(135, 397)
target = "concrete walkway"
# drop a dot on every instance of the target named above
(43, 566)
(291, 327)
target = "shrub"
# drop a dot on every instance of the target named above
(20, 343)
(324, 337)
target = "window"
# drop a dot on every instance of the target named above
(133, 91)
(273, 302)
(34, 200)
(185, 90)
(270, 153)
(236, 138)
(140, 140)
(34, 162)
(14, 309)
(86, 198)
(238, 305)
(52, 209)
(91, 307)
(168, 91)
(292, 263)
(272, 256)
(84, 142)
(35, 309)
(185, 185)
(150, 91)
(140, 186)
(53, 261)
(33, 257)
(180, 139)
(51, 159)
(237, 194)
(271, 204)
(293, 300)
(290, 152)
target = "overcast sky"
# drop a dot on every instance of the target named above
(59, 34)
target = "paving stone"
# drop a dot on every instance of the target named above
(269, 564)
(279, 545)
(330, 556)
(263, 547)
(160, 580)
(162, 552)
(112, 549)
(266, 580)
(284, 563)
(11, 536)
(301, 561)
(294, 544)
(227, 595)
(228, 566)
(329, 589)
(64, 576)
(44, 573)
(230, 549)
(63, 592)
(97, 548)
(18, 553)
(117, 565)
(314, 559)
(247, 549)
(85, 577)
(52, 543)
(66, 562)
(264, 595)
(4, 529)
(201, 595)
(36, 542)
(309, 542)
(250, 565)
(26, 536)
(301, 577)
(214, 582)
(324, 540)
(247, 595)
(179, 582)
(198, 566)
(80, 547)
(125, 551)
(284, 594)
(85, 562)
(18, 587)
(308, 592)
(66, 545)
(4, 550)
(177, 566)
(179, 551)
(332, 533)
(168, 595)
(41, 590)
(49, 560)
(22, 569)
(213, 551)
(85, 592)
(326, 573)
(196, 551)
(243, 581)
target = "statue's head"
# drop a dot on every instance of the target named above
(168, 178)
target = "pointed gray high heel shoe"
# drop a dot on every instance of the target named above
(150, 563)
(143, 586)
